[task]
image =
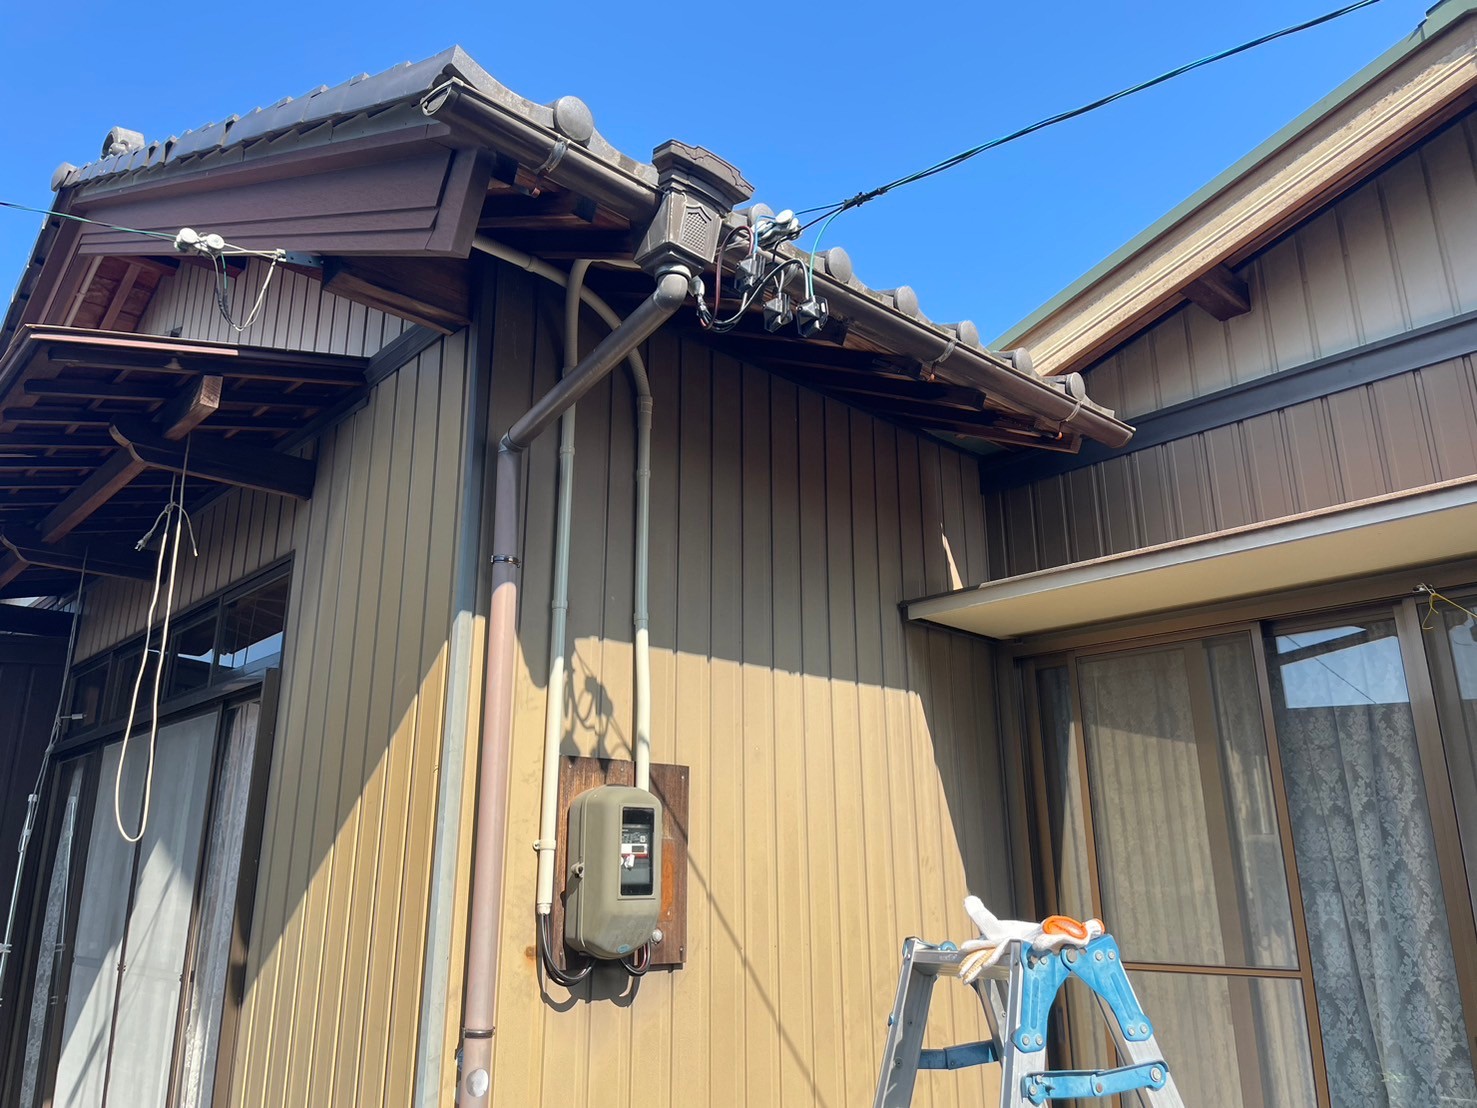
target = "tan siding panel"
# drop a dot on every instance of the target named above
(1289, 328)
(844, 780)
(1426, 294)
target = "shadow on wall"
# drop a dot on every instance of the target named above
(846, 788)
(846, 783)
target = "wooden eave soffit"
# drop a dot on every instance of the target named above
(1221, 293)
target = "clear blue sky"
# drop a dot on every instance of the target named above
(813, 103)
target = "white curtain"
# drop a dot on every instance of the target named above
(1393, 1030)
(122, 1002)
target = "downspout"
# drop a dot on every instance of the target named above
(484, 934)
(697, 190)
(559, 607)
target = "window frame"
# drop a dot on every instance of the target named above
(85, 746)
(1045, 879)
(1432, 707)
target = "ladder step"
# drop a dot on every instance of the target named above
(1065, 1084)
(959, 1057)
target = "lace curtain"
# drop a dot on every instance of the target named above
(1393, 1031)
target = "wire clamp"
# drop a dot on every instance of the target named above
(511, 559)
(556, 156)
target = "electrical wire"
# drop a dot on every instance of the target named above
(84, 219)
(721, 326)
(222, 277)
(223, 286)
(828, 211)
(639, 961)
(545, 943)
(177, 507)
(33, 801)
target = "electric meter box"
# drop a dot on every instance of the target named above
(613, 889)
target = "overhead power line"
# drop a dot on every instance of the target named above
(830, 211)
(84, 219)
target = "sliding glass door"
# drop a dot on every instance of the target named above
(1252, 815)
(1379, 939)
(136, 938)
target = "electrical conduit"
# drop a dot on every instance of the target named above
(484, 933)
(559, 606)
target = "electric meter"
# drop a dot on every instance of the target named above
(613, 891)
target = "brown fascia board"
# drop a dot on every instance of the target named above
(469, 109)
(1402, 97)
(486, 121)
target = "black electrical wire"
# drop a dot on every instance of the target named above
(568, 980)
(639, 961)
(828, 210)
(84, 219)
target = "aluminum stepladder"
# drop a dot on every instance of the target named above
(1017, 995)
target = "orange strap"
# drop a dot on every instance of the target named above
(1065, 925)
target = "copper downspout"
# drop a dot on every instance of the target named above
(489, 846)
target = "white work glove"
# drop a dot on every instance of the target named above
(997, 934)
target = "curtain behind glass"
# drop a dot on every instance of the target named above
(119, 1031)
(207, 987)
(159, 922)
(1189, 857)
(1393, 1029)
(98, 945)
(53, 932)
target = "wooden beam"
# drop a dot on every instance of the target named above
(190, 408)
(176, 420)
(99, 390)
(92, 494)
(244, 467)
(33, 585)
(886, 387)
(435, 292)
(291, 370)
(120, 294)
(547, 211)
(76, 559)
(557, 245)
(17, 619)
(31, 440)
(1221, 293)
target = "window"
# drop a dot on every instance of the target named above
(1161, 816)
(1269, 822)
(129, 967)
(251, 632)
(235, 637)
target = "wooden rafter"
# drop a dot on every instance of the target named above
(178, 418)
(244, 467)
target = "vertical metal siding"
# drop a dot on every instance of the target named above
(846, 789)
(1397, 253)
(332, 1005)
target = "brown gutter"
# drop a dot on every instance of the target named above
(963, 364)
(562, 160)
(489, 849)
(569, 165)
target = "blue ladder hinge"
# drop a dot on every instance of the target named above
(1065, 1084)
(959, 1057)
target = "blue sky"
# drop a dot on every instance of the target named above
(813, 103)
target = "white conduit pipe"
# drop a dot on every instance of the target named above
(559, 607)
(548, 831)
